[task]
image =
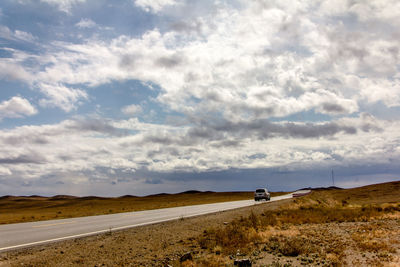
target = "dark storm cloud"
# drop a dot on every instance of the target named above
(170, 61)
(315, 131)
(45, 135)
(333, 108)
(203, 133)
(222, 133)
(264, 129)
(95, 125)
(186, 27)
(31, 139)
(369, 123)
(158, 139)
(154, 181)
(128, 61)
(213, 96)
(227, 143)
(239, 179)
(22, 159)
(347, 46)
(369, 127)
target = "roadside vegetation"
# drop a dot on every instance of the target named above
(356, 227)
(36, 208)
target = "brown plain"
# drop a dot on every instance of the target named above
(36, 208)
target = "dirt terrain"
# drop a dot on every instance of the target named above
(354, 227)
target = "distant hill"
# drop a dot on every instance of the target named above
(191, 192)
(60, 197)
(322, 188)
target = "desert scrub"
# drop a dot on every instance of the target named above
(290, 246)
(371, 238)
(277, 232)
(236, 235)
(323, 214)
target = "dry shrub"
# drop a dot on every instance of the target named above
(188, 263)
(212, 261)
(391, 208)
(278, 231)
(334, 259)
(207, 240)
(291, 246)
(236, 235)
(252, 221)
(268, 218)
(272, 226)
(327, 214)
(336, 247)
(241, 233)
(370, 241)
(372, 245)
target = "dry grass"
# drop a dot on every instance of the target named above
(243, 232)
(36, 208)
(287, 232)
(355, 197)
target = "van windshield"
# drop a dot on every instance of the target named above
(260, 191)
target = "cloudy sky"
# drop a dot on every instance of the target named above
(138, 97)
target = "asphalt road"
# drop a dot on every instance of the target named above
(19, 235)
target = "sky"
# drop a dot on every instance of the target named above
(141, 97)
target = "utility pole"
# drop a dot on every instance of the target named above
(333, 178)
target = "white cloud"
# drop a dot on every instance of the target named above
(4, 171)
(132, 110)
(263, 76)
(18, 35)
(262, 61)
(12, 70)
(5, 32)
(26, 36)
(61, 96)
(86, 23)
(16, 107)
(155, 6)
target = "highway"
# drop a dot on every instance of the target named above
(19, 235)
